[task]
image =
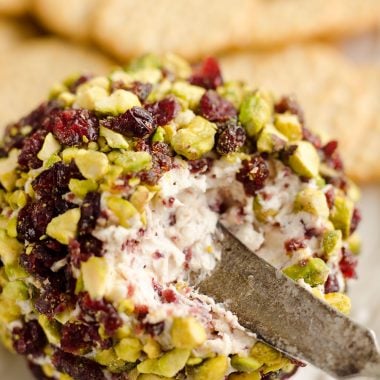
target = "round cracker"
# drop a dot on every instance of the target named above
(70, 18)
(12, 33)
(339, 101)
(14, 7)
(30, 70)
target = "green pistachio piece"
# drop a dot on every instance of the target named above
(9, 311)
(153, 377)
(255, 112)
(80, 187)
(265, 354)
(93, 165)
(339, 301)
(194, 361)
(15, 272)
(289, 125)
(167, 365)
(196, 139)
(245, 376)
(341, 215)
(95, 276)
(187, 333)
(50, 328)
(189, 93)
(245, 364)
(129, 349)
(8, 165)
(212, 369)
(354, 243)
(64, 227)
(114, 140)
(233, 91)
(50, 146)
(353, 191)
(152, 348)
(305, 160)
(117, 103)
(15, 291)
(123, 210)
(312, 201)
(141, 197)
(177, 65)
(17, 199)
(332, 242)
(132, 162)
(69, 154)
(10, 249)
(12, 227)
(270, 140)
(313, 271)
(89, 97)
(147, 61)
(159, 135)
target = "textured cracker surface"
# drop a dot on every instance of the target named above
(29, 71)
(340, 99)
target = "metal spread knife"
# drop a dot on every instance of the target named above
(287, 316)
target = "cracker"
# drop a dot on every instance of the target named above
(193, 28)
(12, 33)
(29, 71)
(340, 102)
(14, 7)
(70, 18)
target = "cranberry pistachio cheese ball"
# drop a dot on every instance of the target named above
(111, 193)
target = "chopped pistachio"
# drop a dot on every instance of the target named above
(341, 214)
(289, 125)
(114, 140)
(196, 139)
(50, 146)
(354, 243)
(270, 140)
(312, 201)
(129, 349)
(50, 328)
(67, 98)
(69, 154)
(187, 333)
(269, 356)
(117, 103)
(177, 65)
(10, 249)
(313, 271)
(15, 272)
(95, 276)
(255, 112)
(148, 376)
(88, 97)
(150, 61)
(80, 187)
(353, 191)
(147, 75)
(212, 369)
(152, 348)
(189, 93)
(194, 361)
(8, 165)
(159, 135)
(233, 91)
(305, 160)
(64, 227)
(167, 365)
(245, 376)
(132, 162)
(123, 210)
(15, 291)
(245, 364)
(93, 165)
(141, 197)
(339, 301)
(17, 199)
(332, 242)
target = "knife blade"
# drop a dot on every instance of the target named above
(287, 316)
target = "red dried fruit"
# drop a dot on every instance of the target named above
(72, 126)
(332, 284)
(79, 337)
(312, 138)
(215, 108)
(52, 301)
(355, 221)
(141, 90)
(330, 197)
(207, 74)
(32, 145)
(81, 80)
(332, 157)
(201, 166)
(141, 311)
(231, 139)
(168, 296)
(83, 248)
(29, 339)
(78, 367)
(348, 264)
(253, 174)
(293, 245)
(164, 110)
(154, 329)
(136, 122)
(37, 371)
(289, 104)
(90, 212)
(33, 219)
(330, 148)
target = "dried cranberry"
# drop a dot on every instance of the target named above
(52, 301)
(90, 212)
(71, 126)
(33, 219)
(293, 245)
(169, 296)
(231, 139)
(141, 90)
(348, 264)
(330, 198)
(32, 145)
(289, 104)
(253, 174)
(78, 337)
(356, 219)
(215, 108)
(154, 329)
(141, 311)
(78, 367)
(29, 339)
(83, 248)
(78, 82)
(164, 110)
(207, 74)
(330, 148)
(136, 122)
(37, 371)
(331, 284)
(312, 138)
(201, 166)
(101, 311)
